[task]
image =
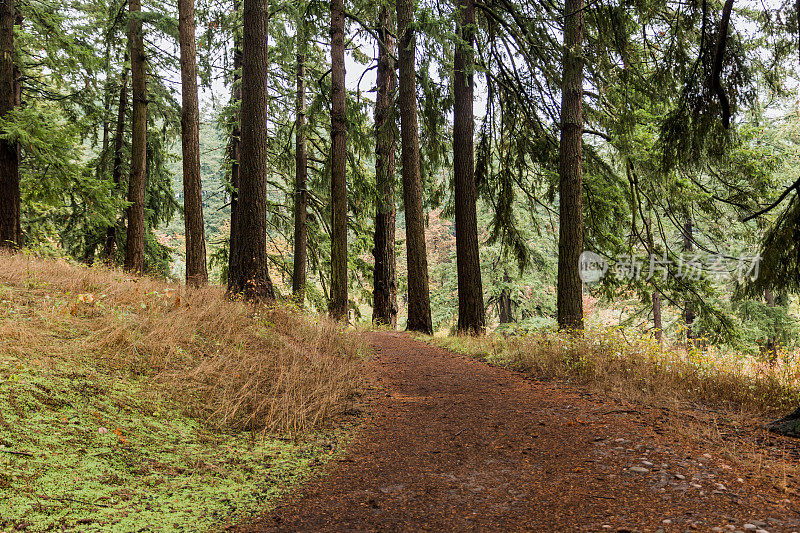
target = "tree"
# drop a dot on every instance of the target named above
(235, 145)
(134, 244)
(10, 229)
(384, 293)
(338, 305)
(196, 269)
(419, 304)
(249, 275)
(301, 172)
(570, 185)
(471, 312)
(116, 171)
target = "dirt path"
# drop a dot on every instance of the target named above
(452, 444)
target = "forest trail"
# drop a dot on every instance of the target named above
(453, 444)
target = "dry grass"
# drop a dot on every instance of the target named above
(238, 366)
(634, 366)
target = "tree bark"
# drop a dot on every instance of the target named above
(10, 229)
(300, 176)
(419, 304)
(338, 304)
(134, 246)
(249, 275)
(471, 310)
(570, 243)
(658, 328)
(504, 304)
(116, 171)
(688, 311)
(196, 269)
(236, 138)
(384, 292)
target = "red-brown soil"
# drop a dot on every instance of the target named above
(453, 444)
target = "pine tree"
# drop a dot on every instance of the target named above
(570, 241)
(249, 274)
(384, 293)
(137, 183)
(196, 269)
(419, 303)
(301, 170)
(471, 312)
(339, 301)
(116, 171)
(10, 229)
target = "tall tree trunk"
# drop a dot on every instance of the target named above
(236, 138)
(300, 175)
(249, 275)
(384, 292)
(688, 311)
(196, 269)
(338, 303)
(10, 229)
(419, 303)
(570, 240)
(116, 171)
(658, 328)
(504, 304)
(134, 246)
(471, 311)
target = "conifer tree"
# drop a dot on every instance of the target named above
(10, 229)
(137, 182)
(384, 293)
(196, 269)
(249, 274)
(339, 301)
(419, 303)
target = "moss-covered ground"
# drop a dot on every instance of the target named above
(87, 448)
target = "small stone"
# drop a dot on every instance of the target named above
(706, 456)
(638, 470)
(750, 527)
(648, 464)
(666, 521)
(680, 477)
(720, 486)
(102, 430)
(761, 531)
(696, 485)
(717, 529)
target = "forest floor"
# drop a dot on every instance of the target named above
(449, 442)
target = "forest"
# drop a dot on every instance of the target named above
(232, 209)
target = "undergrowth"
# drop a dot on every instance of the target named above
(634, 365)
(131, 404)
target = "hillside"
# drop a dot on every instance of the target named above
(128, 403)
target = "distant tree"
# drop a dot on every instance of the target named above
(419, 303)
(10, 229)
(116, 171)
(570, 241)
(339, 301)
(301, 170)
(235, 143)
(137, 182)
(471, 311)
(384, 292)
(196, 268)
(249, 274)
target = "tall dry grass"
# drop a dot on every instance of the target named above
(236, 365)
(633, 365)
